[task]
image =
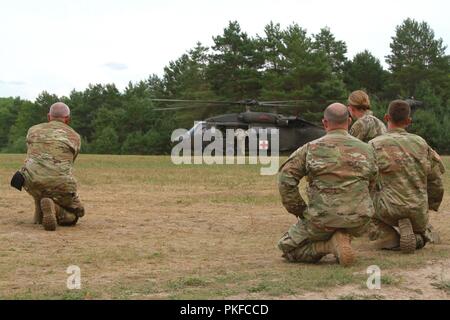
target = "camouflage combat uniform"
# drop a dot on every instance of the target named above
(367, 127)
(52, 150)
(410, 179)
(340, 170)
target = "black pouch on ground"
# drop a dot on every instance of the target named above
(17, 181)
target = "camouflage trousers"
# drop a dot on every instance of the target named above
(419, 220)
(70, 206)
(297, 243)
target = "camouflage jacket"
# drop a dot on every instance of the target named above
(51, 151)
(367, 127)
(410, 173)
(340, 171)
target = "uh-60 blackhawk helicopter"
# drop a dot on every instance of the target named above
(293, 130)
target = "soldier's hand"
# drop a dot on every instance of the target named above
(297, 209)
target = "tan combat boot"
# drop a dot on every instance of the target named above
(389, 239)
(407, 237)
(49, 214)
(340, 246)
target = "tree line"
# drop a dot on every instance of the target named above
(281, 64)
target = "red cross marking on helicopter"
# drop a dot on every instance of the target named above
(263, 145)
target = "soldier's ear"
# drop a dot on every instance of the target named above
(387, 118)
(350, 120)
(48, 117)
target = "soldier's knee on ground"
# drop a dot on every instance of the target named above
(387, 237)
(66, 218)
(304, 253)
(286, 244)
(294, 252)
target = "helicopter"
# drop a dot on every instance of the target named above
(293, 131)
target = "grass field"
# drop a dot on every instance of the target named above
(154, 230)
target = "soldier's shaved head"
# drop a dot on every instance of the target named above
(336, 113)
(59, 110)
(335, 117)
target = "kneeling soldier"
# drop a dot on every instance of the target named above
(410, 183)
(52, 148)
(340, 170)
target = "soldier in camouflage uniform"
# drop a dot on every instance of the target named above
(366, 126)
(52, 148)
(410, 183)
(340, 170)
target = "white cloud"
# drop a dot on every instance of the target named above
(12, 83)
(116, 66)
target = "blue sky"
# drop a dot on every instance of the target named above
(60, 45)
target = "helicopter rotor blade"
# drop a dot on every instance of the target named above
(285, 101)
(180, 104)
(292, 102)
(174, 108)
(196, 101)
(218, 106)
(280, 105)
(247, 102)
